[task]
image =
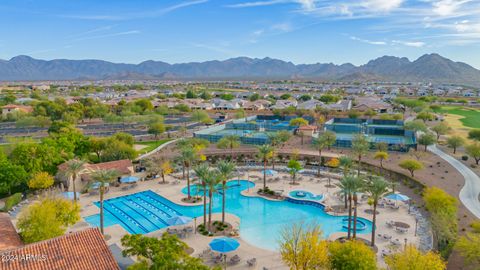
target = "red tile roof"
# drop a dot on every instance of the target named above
(8, 235)
(83, 250)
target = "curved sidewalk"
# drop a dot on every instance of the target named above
(469, 195)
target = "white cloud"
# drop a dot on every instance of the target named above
(447, 7)
(368, 41)
(139, 15)
(307, 4)
(125, 33)
(416, 44)
(284, 27)
(258, 4)
(382, 5)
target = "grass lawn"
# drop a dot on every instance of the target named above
(151, 145)
(470, 117)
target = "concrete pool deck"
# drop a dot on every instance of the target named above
(265, 258)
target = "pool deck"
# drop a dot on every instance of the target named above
(265, 258)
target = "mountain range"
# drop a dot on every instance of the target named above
(427, 68)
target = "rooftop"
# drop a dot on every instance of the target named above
(74, 251)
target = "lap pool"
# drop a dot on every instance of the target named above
(261, 220)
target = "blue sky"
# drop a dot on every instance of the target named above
(301, 31)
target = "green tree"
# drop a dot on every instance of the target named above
(412, 259)
(426, 139)
(11, 176)
(319, 144)
(302, 247)
(441, 128)
(47, 218)
(416, 126)
(264, 153)
(40, 180)
(36, 157)
(71, 171)
(474, 134)
(380, 155)
(229, 142)
(443, 216)
(254, 97)
(166, 252)
(226, 171)
(351, 255)
(360, 147)
(376, 188)
(357, 186)
(156, 128)
(473, 150)
(411, 165)
(294, 166)
(468, 245)
(454, 142)
(211, 186)
(425, 116)
(201, 116)
(204, 174)
(188, 156)
(299, 121)
(346, 186)
(104, 178)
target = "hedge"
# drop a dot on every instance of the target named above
(11, 201)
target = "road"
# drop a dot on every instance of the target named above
(469, 194)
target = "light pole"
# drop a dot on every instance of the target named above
(416, 223)
(405, 243)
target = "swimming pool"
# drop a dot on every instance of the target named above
(261, 220)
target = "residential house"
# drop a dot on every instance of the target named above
(311, 104)
(13, 108)
(283, 104)
(372, 103)
(341, 105)
(81, 250)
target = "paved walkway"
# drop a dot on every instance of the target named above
(469, 195)
(156, 149)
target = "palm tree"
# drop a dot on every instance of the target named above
(211, 184)
(357, 186)
(376, 188)
(345, 185)
(319, 144)
(275, 141)
(73, 168)
(229, 142)
(203, 173)
(225, 172)
(360, 147)
(346, 164)
(264, 153)
(187, 157)
(103, 177)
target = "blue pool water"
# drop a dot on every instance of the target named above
(261, 220)
(305, 195)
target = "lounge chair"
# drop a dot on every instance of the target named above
(252, 262)
(390, 223)
(234, 260)
(387, 237)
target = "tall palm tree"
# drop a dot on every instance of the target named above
(360, 147)
(264, 153)
(275, 141)
(103, 177)
(346, 164)
(376, 188)
(225, 172)
(187, 157)
(73, 168)
(211, 184)
(319, 144)
(357, 186)
(346, 185)
(203, 173)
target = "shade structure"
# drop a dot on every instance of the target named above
(224, 244)
(397, 197)
(96, 185)
(129, 179)
(270, 172)
(179, 220)
(70, 195)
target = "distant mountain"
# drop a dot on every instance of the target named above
(429, 67)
